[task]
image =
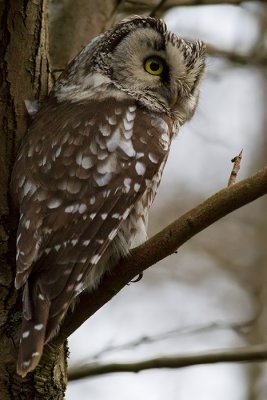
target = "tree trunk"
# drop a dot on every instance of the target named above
(24, 74)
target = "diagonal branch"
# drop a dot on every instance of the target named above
(162, 245)
(242, 354)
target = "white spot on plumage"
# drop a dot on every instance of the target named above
(109, 165)
(26, 363)
(30, 151)
(126, 213)
(112, 120)
(79, 158)
(93, 147)
(74, 242)
(58, 152)
(27, 224)
(69, 209)
(79, 277)
(165, 141)
(86, 242)
(99, 241)
(78, 287)
(102, 155)
(41, 297)
(103, 179)
(112, 234)
(132, 108)
(67, 272)
(140, 168)
(18, 238)
(104, 216)
(92, 216)
(54, 203)
(82, 208)
(165, 137)
(128, 125)
(127, 147)
(127, 184)
(116, 216)
(74, 186)
(57, 247)
(137, 187)
(35, 354)
(21, 181)
(118, 111)
(29, 187)
(25, 334)
(106, 193)
(95, 259)
(38, 327)
(130, 116)
(43, 161)
(92, 200)
(139, 155)
(113, 141)
(105, 129)
(153, 158)
(87, 162)
(143, 140)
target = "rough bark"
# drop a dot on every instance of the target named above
(24, 74)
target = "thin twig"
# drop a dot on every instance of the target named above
(242, 354)
(236, 167)
(156, 10)
(168, 335)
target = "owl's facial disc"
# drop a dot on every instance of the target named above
(155, 63)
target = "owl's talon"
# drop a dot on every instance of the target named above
(139, 277)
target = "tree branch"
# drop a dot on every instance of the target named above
(162, 245)
(255, 57)
(242, 354)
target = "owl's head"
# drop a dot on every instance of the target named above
(141, 58)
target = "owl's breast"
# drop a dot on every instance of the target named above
(134, 229)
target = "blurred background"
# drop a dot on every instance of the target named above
(212, 293)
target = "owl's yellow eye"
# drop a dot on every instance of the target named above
(154, 65)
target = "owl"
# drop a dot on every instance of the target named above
(90, 165)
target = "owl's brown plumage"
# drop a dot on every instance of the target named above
(89, 167)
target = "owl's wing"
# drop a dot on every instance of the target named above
(95, 161)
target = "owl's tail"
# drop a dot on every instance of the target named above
(33, 332)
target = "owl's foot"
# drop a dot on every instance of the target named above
(139, 277)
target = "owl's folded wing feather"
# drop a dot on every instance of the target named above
(92, 169)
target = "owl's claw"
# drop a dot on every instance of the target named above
(139, 277)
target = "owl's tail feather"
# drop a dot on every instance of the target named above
(33, 333)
